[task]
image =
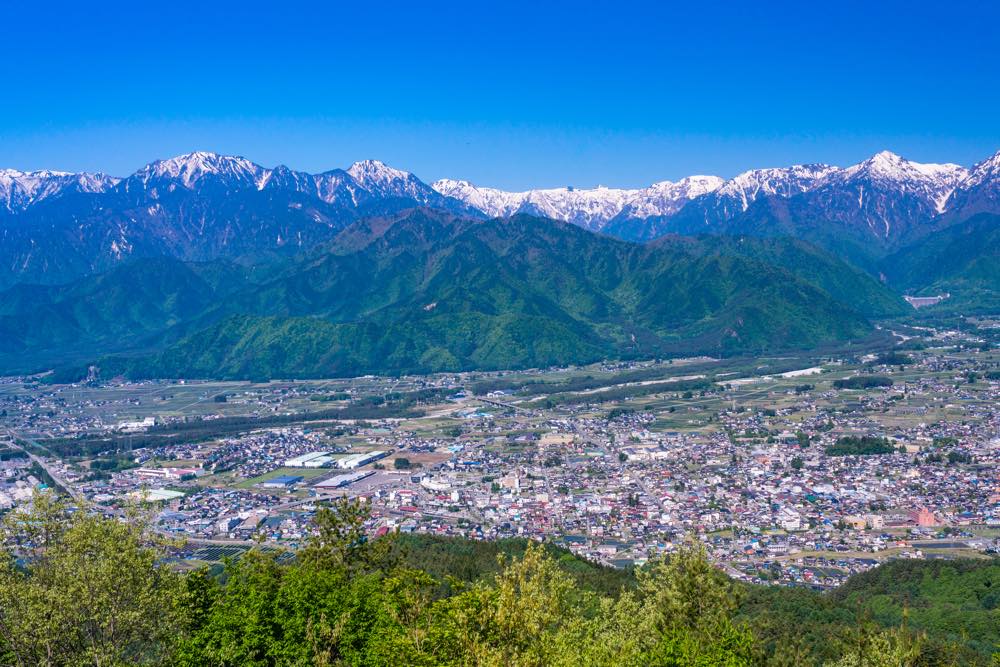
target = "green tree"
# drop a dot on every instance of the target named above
(92, 590)
(891, 648)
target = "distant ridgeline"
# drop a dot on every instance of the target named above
(213, 266)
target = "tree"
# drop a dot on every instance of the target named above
(868, 647)
(512, 622)
(340, 541)
(93, 590)
(329, 607)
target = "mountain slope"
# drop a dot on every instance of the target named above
(431, 292)
(195, 207)
(595, 209)
(962, 260)
(979, 192)
(123, 308)
(845, 283)
(20, 190)
(709, 212)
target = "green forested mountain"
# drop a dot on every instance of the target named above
(113, 310)
(430, 292)
(962, 260)
(844, 282)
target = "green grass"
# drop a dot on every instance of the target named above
(305, 473)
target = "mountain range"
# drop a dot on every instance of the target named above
(55, 226)
(429, 291)
(207, 265)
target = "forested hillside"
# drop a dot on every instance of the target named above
(80, 589)
(428, 292)
(962, 260)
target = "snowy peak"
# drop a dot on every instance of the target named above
(668, 197)
(688, 187)
(22, 189)
(189, 169)
(886, 174)
(364, 181)
(490, 201)
(749, 186)
(979, 192)
(284, 178)
(985, 172)
(888, 167)
(591, 208)
(381, 181)
(377, 173)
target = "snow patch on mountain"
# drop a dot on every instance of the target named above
(590, 208)
(749, 186)
(21, 189)
(667, 197)
(189, 169)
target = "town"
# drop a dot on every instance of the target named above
(791, 470)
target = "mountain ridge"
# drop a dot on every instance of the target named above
(428, 291)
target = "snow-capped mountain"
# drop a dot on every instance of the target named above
(739, 192)
(382, 182)
(931, 184)
(668, 197)
(591, 208)
(368, 180)
(380, 179)
(721, 203)
(492, 202)
(198, 206)
(886, 195)
(979, 192)
(19, 189)
(193, 169)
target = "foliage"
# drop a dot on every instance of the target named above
(947, 608)
(430, 293)
(894, 358)
(863, 382)
(852, 445)
(91, 590)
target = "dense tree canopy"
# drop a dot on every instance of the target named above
(79, 588)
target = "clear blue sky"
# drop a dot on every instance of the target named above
(505, 94)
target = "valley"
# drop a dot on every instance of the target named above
(616, 462)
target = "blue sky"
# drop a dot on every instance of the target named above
(508, 94)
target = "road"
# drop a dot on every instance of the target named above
(61, 483)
